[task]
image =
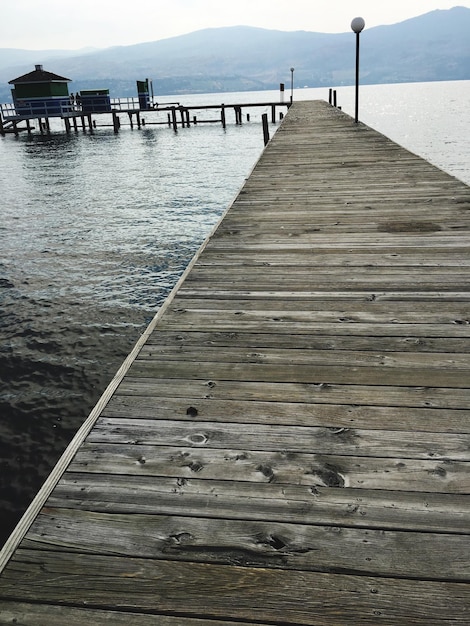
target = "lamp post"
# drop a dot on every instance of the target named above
(291, 85)
(357, 26)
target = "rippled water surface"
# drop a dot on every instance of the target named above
(95, 230)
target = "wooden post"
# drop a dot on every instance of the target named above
(194, 120)
(129, 113)
(330, 95)
(90, 122)
(273, 113)
(82, 117)
(116, 123)
(67, 124)
(29, 127)
(222, 117)
(264, 119)
(334, 98)
(75, 125)
(2, 131)
(138, 119)
(173, 119)
(182, 118)
(169, 120)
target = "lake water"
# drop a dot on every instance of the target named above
(97, 227)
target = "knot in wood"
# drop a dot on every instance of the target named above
(266, 471)
(181, 538)
(197, 439)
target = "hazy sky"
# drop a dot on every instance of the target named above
(47, 24)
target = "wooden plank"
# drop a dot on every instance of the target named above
(405, 280)
(255, 341)
(288, 356)
(236, 593)
(254, 544)
(290, 323)
(312, 295)
(294, 413)
(281, 467)
(347, 242)
(299, 504)
(351, 374)
(330, 257)
(315, 392)
(335, 305)
(28, 614)
(346, 441)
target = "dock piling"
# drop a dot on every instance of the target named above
(264, 119)
(173, 119)
(116, 122)
(238, 115)
(273, 113)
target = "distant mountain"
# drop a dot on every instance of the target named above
(432, 47)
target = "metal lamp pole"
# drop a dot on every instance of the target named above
(291, 85)
(357, 26)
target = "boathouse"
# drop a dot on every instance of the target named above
(40, 93)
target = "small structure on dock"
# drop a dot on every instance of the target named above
(40, 93)
(95, 101)
(143, 92)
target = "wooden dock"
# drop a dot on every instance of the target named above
(176, 114)
(288, 443)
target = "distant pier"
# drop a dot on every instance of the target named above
(173, 115)
(288, 442)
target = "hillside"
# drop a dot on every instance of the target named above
(434, 46)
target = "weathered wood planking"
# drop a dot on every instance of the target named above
(295, 467)
(234, 592)
(289, 443)
(263, 544)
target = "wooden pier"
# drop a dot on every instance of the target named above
(288, 443)
(173, 115)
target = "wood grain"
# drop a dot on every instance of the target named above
(237, 593)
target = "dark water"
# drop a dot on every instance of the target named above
(95, 230)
